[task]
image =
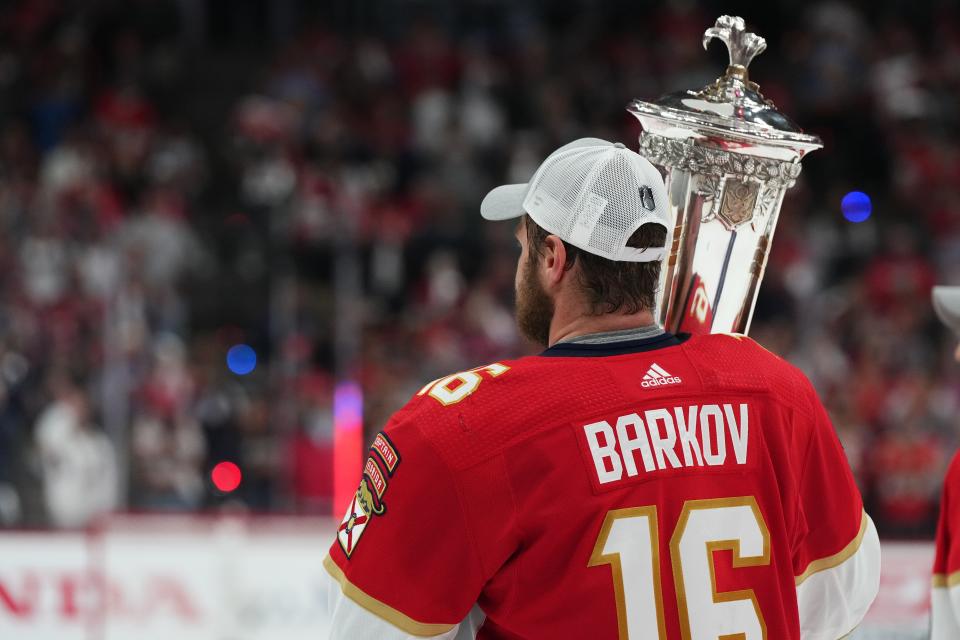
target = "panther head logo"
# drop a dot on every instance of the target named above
(366, 501)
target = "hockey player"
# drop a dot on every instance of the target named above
(945, 599)
(626, 482)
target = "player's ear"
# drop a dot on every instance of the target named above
(554, 259)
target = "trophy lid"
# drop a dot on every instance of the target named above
(731, 109)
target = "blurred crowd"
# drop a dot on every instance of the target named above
(175, 181)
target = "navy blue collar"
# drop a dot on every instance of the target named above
(581, 350)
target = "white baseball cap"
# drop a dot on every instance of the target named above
(946, 302)
(593, 194)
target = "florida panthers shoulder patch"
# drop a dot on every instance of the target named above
(368, 501)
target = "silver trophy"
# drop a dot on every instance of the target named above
(728, 157)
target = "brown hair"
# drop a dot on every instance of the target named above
(610, 286)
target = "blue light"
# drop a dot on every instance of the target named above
(856, 206)
(241, 359)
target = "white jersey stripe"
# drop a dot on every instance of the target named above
(833, 601)
(944, 605)
(348, 618)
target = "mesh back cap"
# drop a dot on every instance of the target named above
(593, 194)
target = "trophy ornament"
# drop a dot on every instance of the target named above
(742, 45)
(731, 107)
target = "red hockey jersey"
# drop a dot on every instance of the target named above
(945, 598)
(657, 488)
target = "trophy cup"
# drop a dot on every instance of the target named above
(728, 157)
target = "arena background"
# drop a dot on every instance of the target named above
(296, 184)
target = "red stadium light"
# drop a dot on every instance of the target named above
(226, 476)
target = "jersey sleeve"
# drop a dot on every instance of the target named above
(837, 552)
(945, 593)
(405, 560)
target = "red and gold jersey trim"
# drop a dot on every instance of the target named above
(829, 562)
(381, 610)
(946, 580)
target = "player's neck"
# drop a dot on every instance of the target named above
(565, 328)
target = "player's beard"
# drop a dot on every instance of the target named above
(534, 307)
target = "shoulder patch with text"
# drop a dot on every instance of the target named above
(368, 501)
(387, 452)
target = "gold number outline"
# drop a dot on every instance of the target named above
(739, 561)
(598, 557)
(440, 386)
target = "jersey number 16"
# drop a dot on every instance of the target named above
(630, 544)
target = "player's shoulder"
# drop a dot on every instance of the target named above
(735, 362)
(472, 414)
(738, 353)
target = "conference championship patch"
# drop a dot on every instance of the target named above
(368, 501)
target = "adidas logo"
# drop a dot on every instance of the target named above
(656, 376)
